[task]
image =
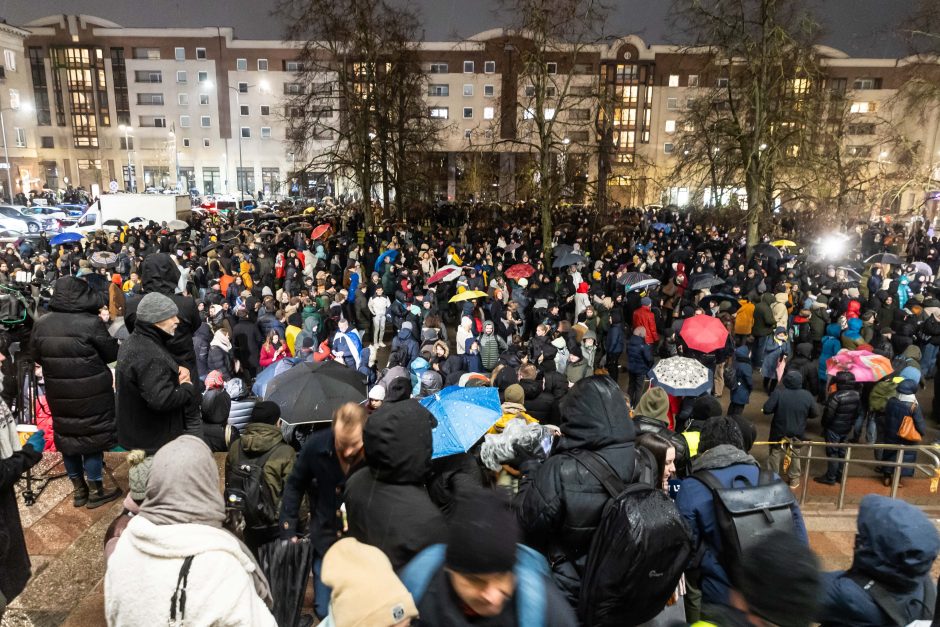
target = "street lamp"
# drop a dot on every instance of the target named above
(176, 160)
(126, 129)
(6, 153)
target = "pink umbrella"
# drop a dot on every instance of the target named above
(865, 365)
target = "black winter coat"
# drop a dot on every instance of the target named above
(151, 403)
(246, 342)
(221, 360)
(74, 349)
(560, 502)
(387, 502)
(160, 274)
(201, 340)
(15, 569)
(791, 406)
(842, 408)
(639, 355)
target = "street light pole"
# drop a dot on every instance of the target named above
(6, 157)
(127, 146)
(241, 172)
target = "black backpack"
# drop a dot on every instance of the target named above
(645, 424)
(745, 512)
(895, 608)
(247, 493)
(639, 551)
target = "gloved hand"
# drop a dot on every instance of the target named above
(37, 441)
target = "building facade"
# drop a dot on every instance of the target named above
(88, 102)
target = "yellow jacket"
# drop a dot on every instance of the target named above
(744, 318)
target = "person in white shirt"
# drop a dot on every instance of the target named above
(378, 305)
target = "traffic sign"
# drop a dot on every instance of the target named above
(113, 186)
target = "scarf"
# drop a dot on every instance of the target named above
(221, 340)
(9, 438)
(907, 398)
(183, 488)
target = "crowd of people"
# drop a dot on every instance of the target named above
(160, 341)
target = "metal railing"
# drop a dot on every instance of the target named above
(803, 450)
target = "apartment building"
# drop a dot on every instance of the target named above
(88, 102)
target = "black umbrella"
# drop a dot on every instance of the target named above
(301, 226)
(286, 565)
(706, 281)
(268, 216)
(771, 252)
(312, 392)
(265, 233)
(561, 250)
(228, 235)
(569, 259)
(208, 247)
(728, 298)
(884, 258)
(678, 255)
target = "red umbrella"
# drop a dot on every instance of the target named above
(703, 333)
(520, 271)
(320, 231)
(447, 273)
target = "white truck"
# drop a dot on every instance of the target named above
(131, 209)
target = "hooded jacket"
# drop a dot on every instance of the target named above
(160, 274)
(257, 439)
(830, 346)
(406, 343)
(74, 348)
(639, 356)
(764, 321)
(744, 376)
(150, 400)
(491, 345)
(387, 502)
(803, 363)
(585, 366)
(471, 361)
(852, 336)
(791, 406)
(896, 545)
(843, 405)
(560, 502)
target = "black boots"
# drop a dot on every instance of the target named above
(80, 495)
(99, 497)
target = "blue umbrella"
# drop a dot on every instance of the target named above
(660, 226)
(388, 253)
(69, 237)
(463, 416)
(265, 376)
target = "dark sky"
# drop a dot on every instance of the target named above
(859, 27)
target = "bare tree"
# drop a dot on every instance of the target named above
(762, 60)
(553, 115)
(356, 108)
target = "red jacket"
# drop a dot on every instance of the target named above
(854, 309)
(643, 317)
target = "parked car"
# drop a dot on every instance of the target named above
(26, 223)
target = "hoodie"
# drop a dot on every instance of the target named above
(790, 406)
(387, 502)
(472, 361)
(852, 337)
(830, 346)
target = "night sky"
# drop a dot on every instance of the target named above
(859, 27)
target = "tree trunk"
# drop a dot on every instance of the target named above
(754, 202)
(546, 198)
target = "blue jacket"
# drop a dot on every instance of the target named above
(639, 355)
(895, 545)
(773, 352)
(741, 394)
(406, 341)
(830, 346)
(615, 343)
(471, 363)
(537, 602)
(696, 505)
(895, 411)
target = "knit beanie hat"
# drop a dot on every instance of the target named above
(139, 464)
(377, 393)
(365, 590)
(267, 412)
(155, 307)
(779, 578)
(646, 301)
(654, 404)
(514, 394)
(482, 534)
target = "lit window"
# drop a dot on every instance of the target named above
(673, 80)
(549, 114)
(670, 126)
(241, 64)
(468, 90)
(20, 137)
(528, 114)
(15, 99)
(488, 113)
(862, 107)
(439, 113)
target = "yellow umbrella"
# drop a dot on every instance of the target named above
(783, 242)
(468, 295)
(310, 211)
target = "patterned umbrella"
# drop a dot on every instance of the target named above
(520, 271)
(447, 273)
(681, 376)
(463, 416)
(865, 365)
(103, 259)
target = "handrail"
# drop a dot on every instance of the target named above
(931, 469)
